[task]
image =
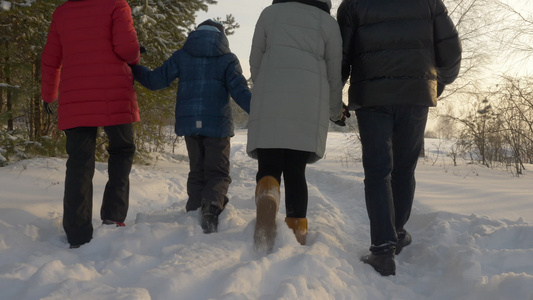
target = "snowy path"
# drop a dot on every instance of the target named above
(163, 254)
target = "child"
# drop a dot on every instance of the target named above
(208, 73)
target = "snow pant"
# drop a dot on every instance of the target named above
(208, 179)
(392, 138)
(78, 197)
(292, 164)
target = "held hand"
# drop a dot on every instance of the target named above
(47, 108)
(341, 122)
(345, 111)
(344, 114)
(142, 50)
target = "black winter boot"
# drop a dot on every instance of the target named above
(404, 239)
(384, 264)
(210, 218)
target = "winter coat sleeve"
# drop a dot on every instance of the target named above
(347, 27)
(125, 43)
(51, 59)
(447, 45)
(161, 77)
(333, 57)
(237, 85)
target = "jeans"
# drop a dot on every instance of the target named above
(290, 163)
(208, 181)
(392, 138)
(78, 197)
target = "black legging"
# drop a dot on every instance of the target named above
(290, 163)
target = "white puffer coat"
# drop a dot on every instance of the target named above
(295, 63)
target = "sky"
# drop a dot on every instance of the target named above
(472, 230)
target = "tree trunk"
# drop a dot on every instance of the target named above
(3, 91)
(36, 104)
(9, 107)
(8, 90)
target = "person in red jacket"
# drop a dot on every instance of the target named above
(85, 66)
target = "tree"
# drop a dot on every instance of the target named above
(480, 130)
(23, 30)
(230, 25)
(490, 106)
(516, 116)
(162, 26)
(517, 36)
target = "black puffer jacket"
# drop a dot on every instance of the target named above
(395, 52)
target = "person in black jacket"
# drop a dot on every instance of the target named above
(398, 55)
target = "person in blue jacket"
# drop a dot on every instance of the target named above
(208, 74)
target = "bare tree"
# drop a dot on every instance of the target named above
(477, 21)
(517, 35)
(517, 116)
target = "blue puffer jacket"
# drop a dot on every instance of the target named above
(208, 74)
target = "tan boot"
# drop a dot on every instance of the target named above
(299, 227)
(267, 202)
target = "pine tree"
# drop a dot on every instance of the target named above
(162, 26)
(23, 31)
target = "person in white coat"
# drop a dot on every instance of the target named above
(295, 64)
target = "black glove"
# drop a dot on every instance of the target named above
(345, 114)
(47, 108)
(142, 50)
(341, 122)
(345, 111)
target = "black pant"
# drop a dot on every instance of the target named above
(209, 179)
(78, 198)
(392, 138)
(290, 163)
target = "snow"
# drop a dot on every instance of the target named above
(472, 231)
(4, 5)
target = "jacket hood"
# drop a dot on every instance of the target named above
(205, 43)
(328, 2)
(324, 5)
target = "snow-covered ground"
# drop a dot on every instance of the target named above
(472, 231)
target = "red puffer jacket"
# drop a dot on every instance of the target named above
(86, 57)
